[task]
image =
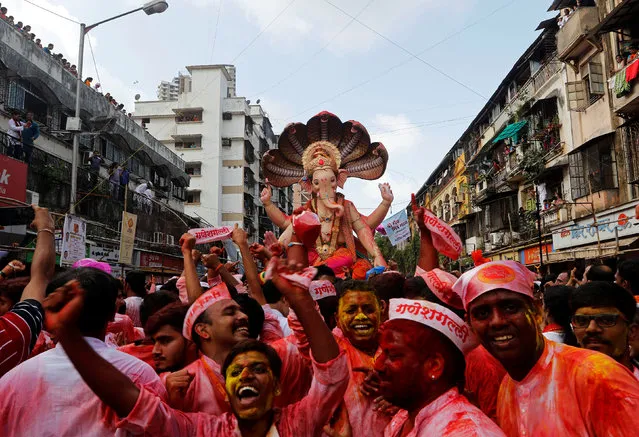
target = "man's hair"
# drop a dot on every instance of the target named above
(154, 302)
(170, 285)
(13, 288)
(415, 287)
(600, 273)
(253, 311)
(172, 315)
(353, 285)
(557, 303)
(271, 293)
(324, 270)
(136, 279)
(604, 294)
(101, 291)
(425, 340)
(15, 112)
(629, 271)
(388, 285)
(275, 362)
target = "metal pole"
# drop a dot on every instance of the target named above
(539, 234)
(76, 135)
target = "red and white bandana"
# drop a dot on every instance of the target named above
(441, 284)
(204, 302)
(321, 289)
(495, 275)
(437, 317)
(209, 235)
(445, 240)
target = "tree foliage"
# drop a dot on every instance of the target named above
(405, 258)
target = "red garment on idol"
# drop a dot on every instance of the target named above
(45, 396)
(570, 392)
(483, 378)
(450, 415)
(305, 418)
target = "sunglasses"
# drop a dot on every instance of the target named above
(602, 320)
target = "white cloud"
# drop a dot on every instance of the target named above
(319, 20)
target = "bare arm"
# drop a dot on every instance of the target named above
(321, 340)
(274, 213)
(377, 217)
(428, 256)
(193, 287)
(250, 268)
(43, 265)
(365, 236)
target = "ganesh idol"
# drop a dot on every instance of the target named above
(321, 155)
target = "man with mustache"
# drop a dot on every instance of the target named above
(551, 389)
(171, 351)
(602, 320)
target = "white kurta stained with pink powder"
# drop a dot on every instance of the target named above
(45, 396)
(450, 415)
(305, 418)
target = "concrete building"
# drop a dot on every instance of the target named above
(169, 90)
(221, 137)
(33, 81)
(551, 159)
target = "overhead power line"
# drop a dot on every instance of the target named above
(51, 12)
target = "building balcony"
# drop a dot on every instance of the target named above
(555, 215)
(572, 38)
(626, 101)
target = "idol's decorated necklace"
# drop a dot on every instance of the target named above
(326, 247)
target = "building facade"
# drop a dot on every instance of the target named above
(550, 160)
(33, 81)
(221, 137)
(169, 90)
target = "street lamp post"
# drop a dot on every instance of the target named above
(150, 8)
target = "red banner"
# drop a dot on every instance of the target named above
(13, 178)
(158, 261)
(531, 255)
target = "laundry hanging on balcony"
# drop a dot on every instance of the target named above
(511, 131)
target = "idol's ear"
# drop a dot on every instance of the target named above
(305, 182)
(342, 175)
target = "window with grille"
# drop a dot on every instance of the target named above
(193, 197)
(593, 168)
(630, 139)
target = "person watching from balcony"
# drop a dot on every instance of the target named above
(48, 49)
(88, 81)
(124, 181)
(30, 133)
(26, 30)
(114, 180)
(18, 26)
(16, 126)
(95, 161)
(633, 54)
(38, 42)
(73, 70)
(10, 19)
(3, 13)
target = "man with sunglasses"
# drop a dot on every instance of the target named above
(602, 320)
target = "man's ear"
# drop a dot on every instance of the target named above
(200, 329)
(633, 332)
(277, 388)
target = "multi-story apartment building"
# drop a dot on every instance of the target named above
(33, 81)
(546, 172)
(169, 90)
(221, 137)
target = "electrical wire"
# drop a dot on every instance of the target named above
(51, 12)
(95, 65)
(217, 22)
(402, 63)
(262, 31)
(314, 55)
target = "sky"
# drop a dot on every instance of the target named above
(354, 58)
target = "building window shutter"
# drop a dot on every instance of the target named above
(576, 95)
(595, 79)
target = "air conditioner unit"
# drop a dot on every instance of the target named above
(226, 142)
(158, 237)
(497, 239)
(74, 124)
(33, 198)
(170, 240)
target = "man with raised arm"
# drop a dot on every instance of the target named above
(20, 327)
(251, 370)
